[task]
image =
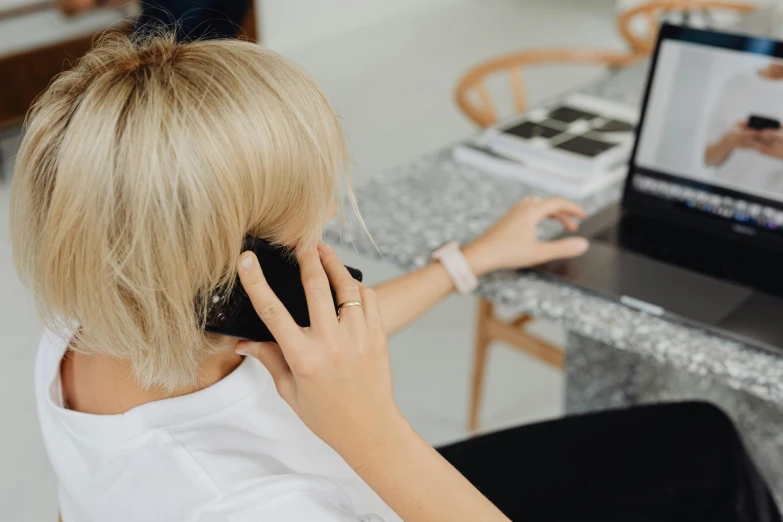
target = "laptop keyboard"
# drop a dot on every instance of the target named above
(704, 253)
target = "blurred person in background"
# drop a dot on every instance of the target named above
(192, 19)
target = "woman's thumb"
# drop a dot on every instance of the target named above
(270, 355)
(563, 249)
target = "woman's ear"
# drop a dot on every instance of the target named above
(332, 211)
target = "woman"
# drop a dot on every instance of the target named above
(141, 172)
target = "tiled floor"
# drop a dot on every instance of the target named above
(392, 84)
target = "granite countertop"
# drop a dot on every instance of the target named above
(420, 206)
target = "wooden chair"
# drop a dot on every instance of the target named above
(651, 12)
(474, 100)
(472, 84)
(489, 328)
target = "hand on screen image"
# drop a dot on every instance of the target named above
(770, 142)
(740, 136)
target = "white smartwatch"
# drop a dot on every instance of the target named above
(453, 260)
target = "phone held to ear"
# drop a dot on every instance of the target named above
(234, 314)
(761, 123)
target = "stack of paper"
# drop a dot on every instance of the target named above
(574, 148)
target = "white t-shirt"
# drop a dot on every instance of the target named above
(233, 452)
(743, 96)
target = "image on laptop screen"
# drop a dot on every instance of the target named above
(712, 127)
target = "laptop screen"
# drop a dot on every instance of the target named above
(710, 140)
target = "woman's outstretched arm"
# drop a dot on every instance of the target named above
(511, 243)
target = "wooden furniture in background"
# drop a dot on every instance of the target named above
(26, 74)
(651, 12)
(249, 29)
(474, 100)
(472, 83)
(26, 9)
(488, 329)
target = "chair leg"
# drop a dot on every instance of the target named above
(521, 321)
(483, 338)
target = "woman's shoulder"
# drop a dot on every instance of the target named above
(51, 348)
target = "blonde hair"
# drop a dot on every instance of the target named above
(141, 171)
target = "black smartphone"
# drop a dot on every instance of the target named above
(761, 123)
(233, 314)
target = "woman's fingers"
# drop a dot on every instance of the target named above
(345, 286)
(561, 249)
(566, 212)
(317, 291)
(372, 311)
(553, 206)
(272, 357)
(568, 222)
(266, 304)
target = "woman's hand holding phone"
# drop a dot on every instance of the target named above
(770, 143)
(336, 376)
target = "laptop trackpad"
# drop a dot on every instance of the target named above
(758, 318)
(677, 290)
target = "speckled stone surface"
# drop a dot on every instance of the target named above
(422, 205)
(435, 200)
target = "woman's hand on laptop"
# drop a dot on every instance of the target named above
(513, 241)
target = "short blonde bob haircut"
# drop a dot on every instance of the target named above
(141, 171)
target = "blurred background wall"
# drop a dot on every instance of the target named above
(286, 23)
(47, 26)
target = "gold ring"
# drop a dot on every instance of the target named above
(347, 304)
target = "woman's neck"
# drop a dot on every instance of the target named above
(103, 385)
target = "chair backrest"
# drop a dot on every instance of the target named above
(651, 12)
(482, 111)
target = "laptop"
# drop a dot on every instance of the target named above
(698, 236)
